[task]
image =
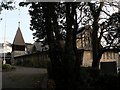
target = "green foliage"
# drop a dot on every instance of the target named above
(107, 81)
(5, 4)
(98, 80)
(8, 67)
(89, 80)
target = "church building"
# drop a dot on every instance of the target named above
(18, 46)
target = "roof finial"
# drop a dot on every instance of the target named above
(19, 17)
(19, 24)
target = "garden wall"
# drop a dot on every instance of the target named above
(39, 59)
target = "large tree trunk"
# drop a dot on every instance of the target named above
(95, 43)
(66, 72)
(61, 73)
(53, 71)
(70, 55)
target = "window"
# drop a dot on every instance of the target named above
(114, 56)
(110, 54)
(104, 56)
(107, 55)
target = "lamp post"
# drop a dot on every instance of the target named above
(4, 61)
(4, 45)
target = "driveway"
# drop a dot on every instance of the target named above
(25, 77)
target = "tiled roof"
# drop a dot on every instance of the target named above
(18, 40)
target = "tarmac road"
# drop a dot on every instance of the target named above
(25, 77)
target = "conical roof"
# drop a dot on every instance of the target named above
(18, 40)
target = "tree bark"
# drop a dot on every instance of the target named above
(95, 41)
(69, 56)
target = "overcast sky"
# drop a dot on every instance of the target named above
(9, 24)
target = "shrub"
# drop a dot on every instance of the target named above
(13, 67)
(92, 77)
(8, 67)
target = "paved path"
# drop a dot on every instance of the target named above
(24, 77)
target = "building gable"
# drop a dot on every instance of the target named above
(18, 43)
(18, 40)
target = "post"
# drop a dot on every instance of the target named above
(4, 45)
(4, 61)
(12, 57)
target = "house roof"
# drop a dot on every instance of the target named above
(37, 46)
(6, 54)
(29, 46)
(18, 40)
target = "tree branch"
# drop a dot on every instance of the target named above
(106, 13)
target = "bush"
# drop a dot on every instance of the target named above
(8, 67)
(92, 77)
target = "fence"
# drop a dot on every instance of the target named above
(39, 59)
